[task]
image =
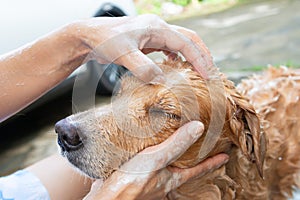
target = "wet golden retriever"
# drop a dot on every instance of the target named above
(257, 124)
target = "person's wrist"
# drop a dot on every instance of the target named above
(87, 32)
(77, 36)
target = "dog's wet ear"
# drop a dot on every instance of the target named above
(248, 135)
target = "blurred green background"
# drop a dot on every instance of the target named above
(174, 9)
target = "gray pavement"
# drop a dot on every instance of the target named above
(253, 34)
(257, 33)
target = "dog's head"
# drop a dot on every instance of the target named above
(141, 114)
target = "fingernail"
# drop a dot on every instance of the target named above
(202, 72)
(225, 161)
(195, 130)
(199, 64)
(158, 79)
(222, 163)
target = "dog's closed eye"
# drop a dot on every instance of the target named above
(160, 118)
(157, 112)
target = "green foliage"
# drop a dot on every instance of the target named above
(190, 6)
(182, 2)
(149, 6)
(213, 1)
(187, 2)
(257, 68)
(291, 64)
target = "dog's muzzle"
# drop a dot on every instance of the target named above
(68, 136)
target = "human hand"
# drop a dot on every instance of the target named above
(126, 40)
(148, 176)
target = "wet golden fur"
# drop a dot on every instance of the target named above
(262, 141)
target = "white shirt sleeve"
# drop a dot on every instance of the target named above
(22, 185)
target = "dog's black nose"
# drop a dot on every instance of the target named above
(68, 137)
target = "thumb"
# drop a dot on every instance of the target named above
(159, 156)
(95, 189)
(142, 66)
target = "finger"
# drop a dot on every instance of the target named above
(95, 190)
(175, 145)
(159, 156)
(142, 66)
(187, 134)
(208, 165)
(173, 40)
(205, 56)
(194, 37)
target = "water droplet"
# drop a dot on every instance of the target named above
(19, 84)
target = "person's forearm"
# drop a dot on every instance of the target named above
(32, 70)
(60, 179)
